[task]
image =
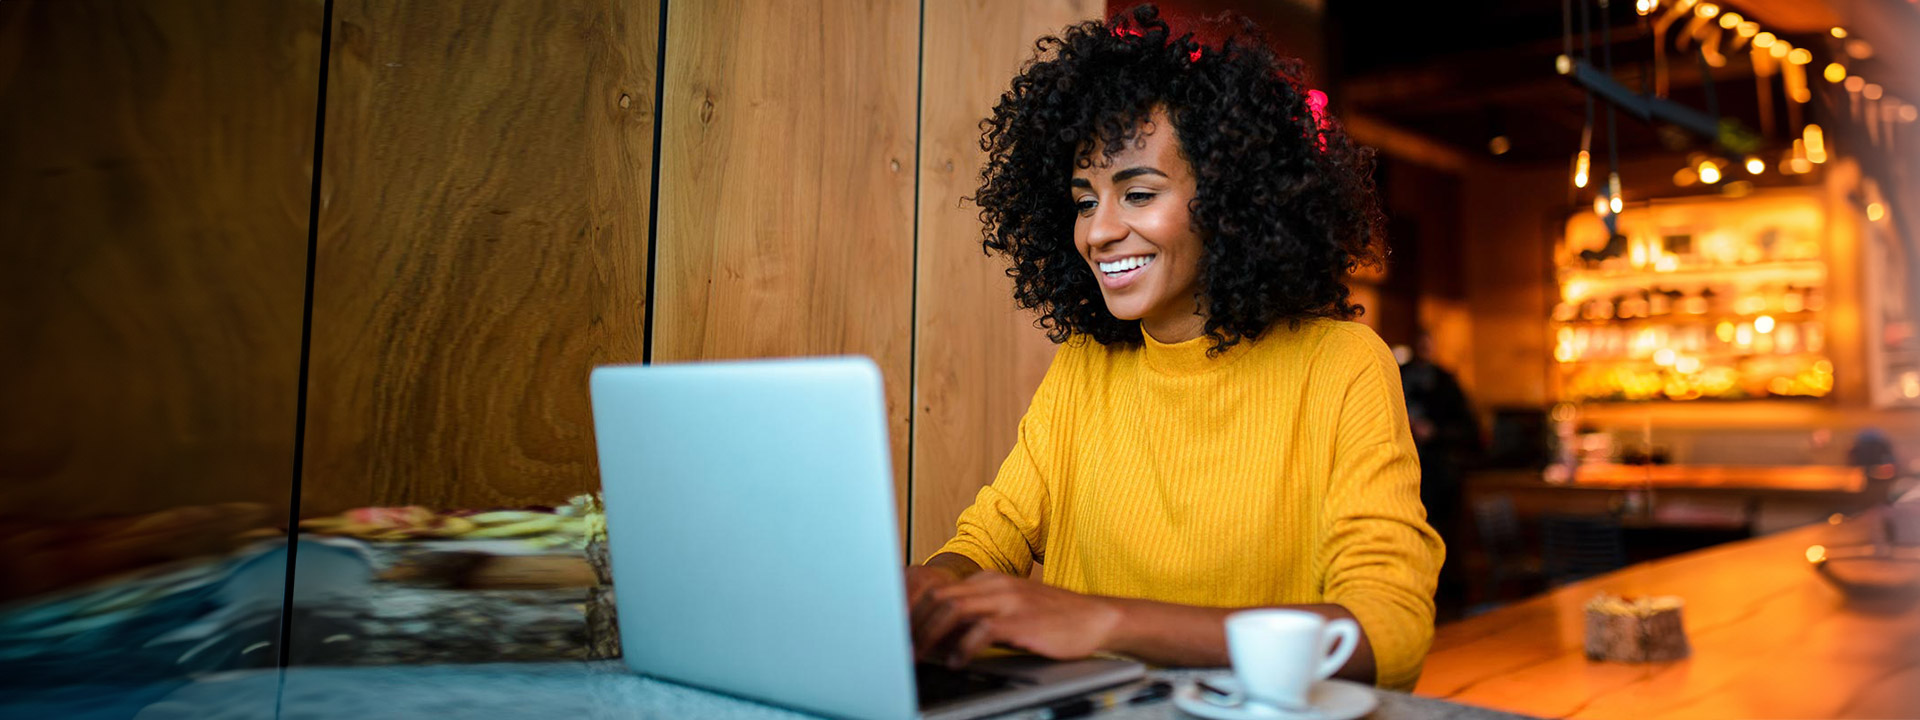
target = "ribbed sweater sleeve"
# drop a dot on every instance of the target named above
(1378, 556)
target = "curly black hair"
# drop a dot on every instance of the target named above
(1285, 203)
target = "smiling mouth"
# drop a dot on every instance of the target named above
(1125, 266)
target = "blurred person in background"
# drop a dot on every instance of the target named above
(1448, 438)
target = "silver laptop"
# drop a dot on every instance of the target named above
(750, 516)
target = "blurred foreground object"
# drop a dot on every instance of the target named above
(1644, 629)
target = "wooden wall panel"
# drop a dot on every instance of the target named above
(154, 183)
(786, 187)
(979, 359)
(483, 246)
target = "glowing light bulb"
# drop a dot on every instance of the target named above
(1763, 324)
(1664, 357)
(1707, 10)
(1685, 177)
(1875, 211)
(1836, 72)
(1730, 20)
(1581, 164)
(1600, 206)
(1780, 49)
(1800, 56)
(1615, 204)
(1855, 83)
(1763, 40)
(1724, 331)
(1709, 172)
(1839, 32)
(1748, 29)
(1909, 113)
(1755, 166)
(1816, 142)
(1687, 365)
(1871, 91)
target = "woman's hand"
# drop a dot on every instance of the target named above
(955, 621)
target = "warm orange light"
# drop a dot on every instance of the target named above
(1839, 32)
(1755, 166)
(1763, 40)
(1615, 204)
(1763, 324)
(1779, 49)
(1685, 177)
(1709, 172)
(1855, 83)
(1729, 20)
(1836, 72)
(1707, 10)
(1816, 141)
(1748, 29)
(1909, 113)
(1687, 365)
(1875, 211)
(1724, 331)
(1836, 519)
(1581, 164)
(1600, 206)
(1871, 91)
(1664, 357)
(1800, 56)
(1817, 553)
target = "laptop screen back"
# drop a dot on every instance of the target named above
(750, 518)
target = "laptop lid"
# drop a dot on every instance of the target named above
(750, 518)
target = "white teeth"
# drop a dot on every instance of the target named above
(1126, 263)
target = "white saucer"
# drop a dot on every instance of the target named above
(1330, 700)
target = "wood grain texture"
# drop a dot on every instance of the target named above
(483, 246)
(154, 182)
(978, 358)
(1770, 639)
(786, 187)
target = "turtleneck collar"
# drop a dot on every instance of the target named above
(1188, 357)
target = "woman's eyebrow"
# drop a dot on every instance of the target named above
(1134, 172)
(1122, 176)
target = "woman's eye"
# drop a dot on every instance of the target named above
(1139, 198)
(1083, 206)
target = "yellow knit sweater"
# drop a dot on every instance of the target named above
(1281, 472)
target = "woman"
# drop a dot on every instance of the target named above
(1213, 433)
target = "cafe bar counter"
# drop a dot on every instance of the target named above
(1770, 636)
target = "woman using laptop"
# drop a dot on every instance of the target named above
(1214, 434)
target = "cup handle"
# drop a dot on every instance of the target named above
(1337, 642)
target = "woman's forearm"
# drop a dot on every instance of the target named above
(1186, 635)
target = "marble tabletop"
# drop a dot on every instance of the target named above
(573, 691)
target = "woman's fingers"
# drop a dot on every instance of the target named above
(976, 639)
(951, 616)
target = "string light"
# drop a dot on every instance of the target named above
(1581, 164)
(1816, 142)
(1755, 165)
(1600, 205)
(1875, 211)
(1779, 49)
(1839, 32)
(1763, 40)
(1707, 10)
(1800, 56)
(1763, 324)
(1871, 91)
(1748, 29)
(1855, 83)
(1646, 7)
(1836, 72)
(1615, 205)
(1730, 20)
(1909, 113)
(1709, 172)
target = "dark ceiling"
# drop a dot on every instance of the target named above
(1461, 73)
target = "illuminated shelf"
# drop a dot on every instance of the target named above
(1578, 284)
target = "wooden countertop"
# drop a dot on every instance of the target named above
(1801, 478)
(1770, 639)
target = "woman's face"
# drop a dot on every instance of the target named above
(1134, 229)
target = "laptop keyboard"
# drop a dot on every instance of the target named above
(938, 684)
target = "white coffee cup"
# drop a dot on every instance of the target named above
(1279, 654)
